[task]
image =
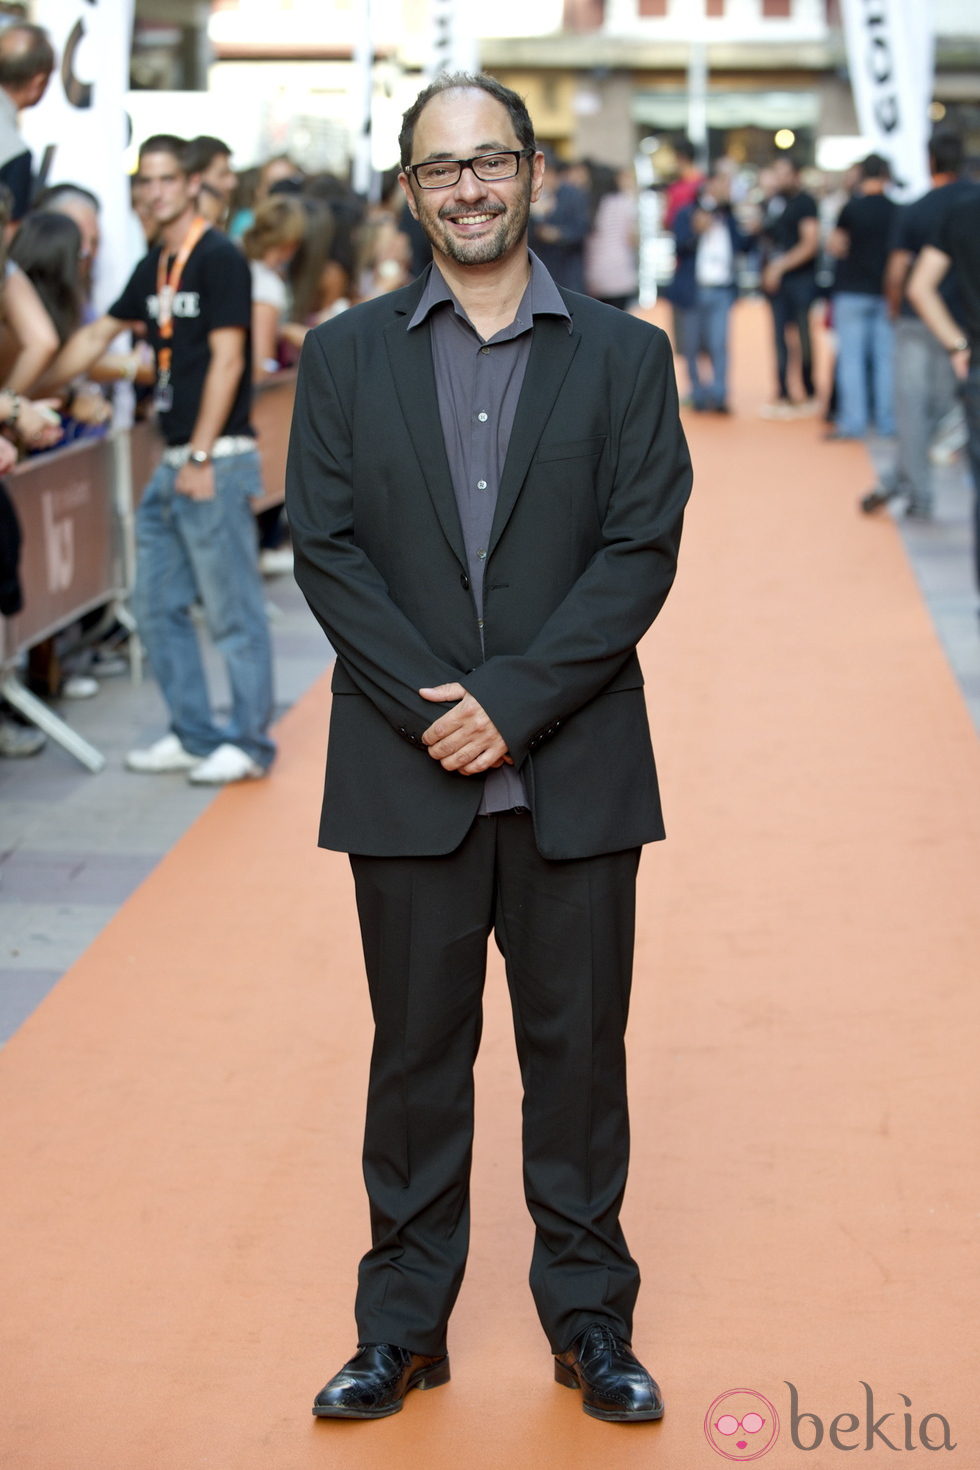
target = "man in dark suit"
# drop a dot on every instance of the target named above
(485, 487)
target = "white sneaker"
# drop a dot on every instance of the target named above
(19, 740)
(226, 764)
(79, 686)
(781, 409)
(276, 561)
(166, 754)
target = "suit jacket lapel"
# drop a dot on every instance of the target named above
(410, 355)
(552, 348)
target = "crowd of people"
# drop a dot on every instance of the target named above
(894, 285)
(898, 287)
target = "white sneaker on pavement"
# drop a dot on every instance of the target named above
(226, 764)
(79, 686)
(165, 755)
(19, 740)
(276, 561)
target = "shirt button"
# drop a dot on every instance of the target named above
(481, 484)
(482, 554)
(479, 622)
(483, 417)
(484, 350)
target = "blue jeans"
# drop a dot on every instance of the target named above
(865, 344)
(704, 329)
(207, 550)
(714, 306)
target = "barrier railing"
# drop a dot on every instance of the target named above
(77, 508)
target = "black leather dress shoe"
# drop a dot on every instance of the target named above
(375, 1381)
(615, 1385)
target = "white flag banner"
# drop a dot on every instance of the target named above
(78, 132)
(890, 55)
(452, 38)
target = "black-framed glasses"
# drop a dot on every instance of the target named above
(489, 168)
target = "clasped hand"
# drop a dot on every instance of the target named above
(465, 739)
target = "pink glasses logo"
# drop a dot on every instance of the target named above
(741, 1425)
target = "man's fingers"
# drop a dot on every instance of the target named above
(443, 693)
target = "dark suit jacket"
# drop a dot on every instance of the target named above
(581, 557)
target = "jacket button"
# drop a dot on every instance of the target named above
(464, 581)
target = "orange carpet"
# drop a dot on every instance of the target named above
(182, 1208)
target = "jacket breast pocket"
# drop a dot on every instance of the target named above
(571, 449)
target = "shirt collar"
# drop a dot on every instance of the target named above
(541, 298)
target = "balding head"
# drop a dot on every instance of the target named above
(26, 63)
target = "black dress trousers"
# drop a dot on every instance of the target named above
(565, 930)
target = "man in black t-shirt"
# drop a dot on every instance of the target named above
(865, 337)
(925, 386)
(956, 245)
(194, 528)
(791, 239)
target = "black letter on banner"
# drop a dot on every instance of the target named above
(79, 94)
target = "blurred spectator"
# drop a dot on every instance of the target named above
(865, 336)
(419, 248)
(270, 243)
(346, 213)
(955, 245)
(48, 249)
(925, 385)
(687, 186)
(243, 201)
(384, 257)
(28, 343)
(610, 247)
(28, 340)
(708, 241)
(320, 284)
(560, 221)
(278, 170)
(791, 240)
(210, 160)
(26, 64)
(82, 206)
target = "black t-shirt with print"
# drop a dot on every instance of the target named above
(867, 221)
(959, 237)
(215, 291)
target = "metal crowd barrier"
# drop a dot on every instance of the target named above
(77, 509)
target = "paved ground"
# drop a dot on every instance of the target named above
(73, 846)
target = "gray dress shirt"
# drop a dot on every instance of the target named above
(478, 385)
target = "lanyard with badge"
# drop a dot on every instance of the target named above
(167, 284)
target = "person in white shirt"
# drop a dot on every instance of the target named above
(708, 240)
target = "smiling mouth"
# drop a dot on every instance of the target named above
(472, 221)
